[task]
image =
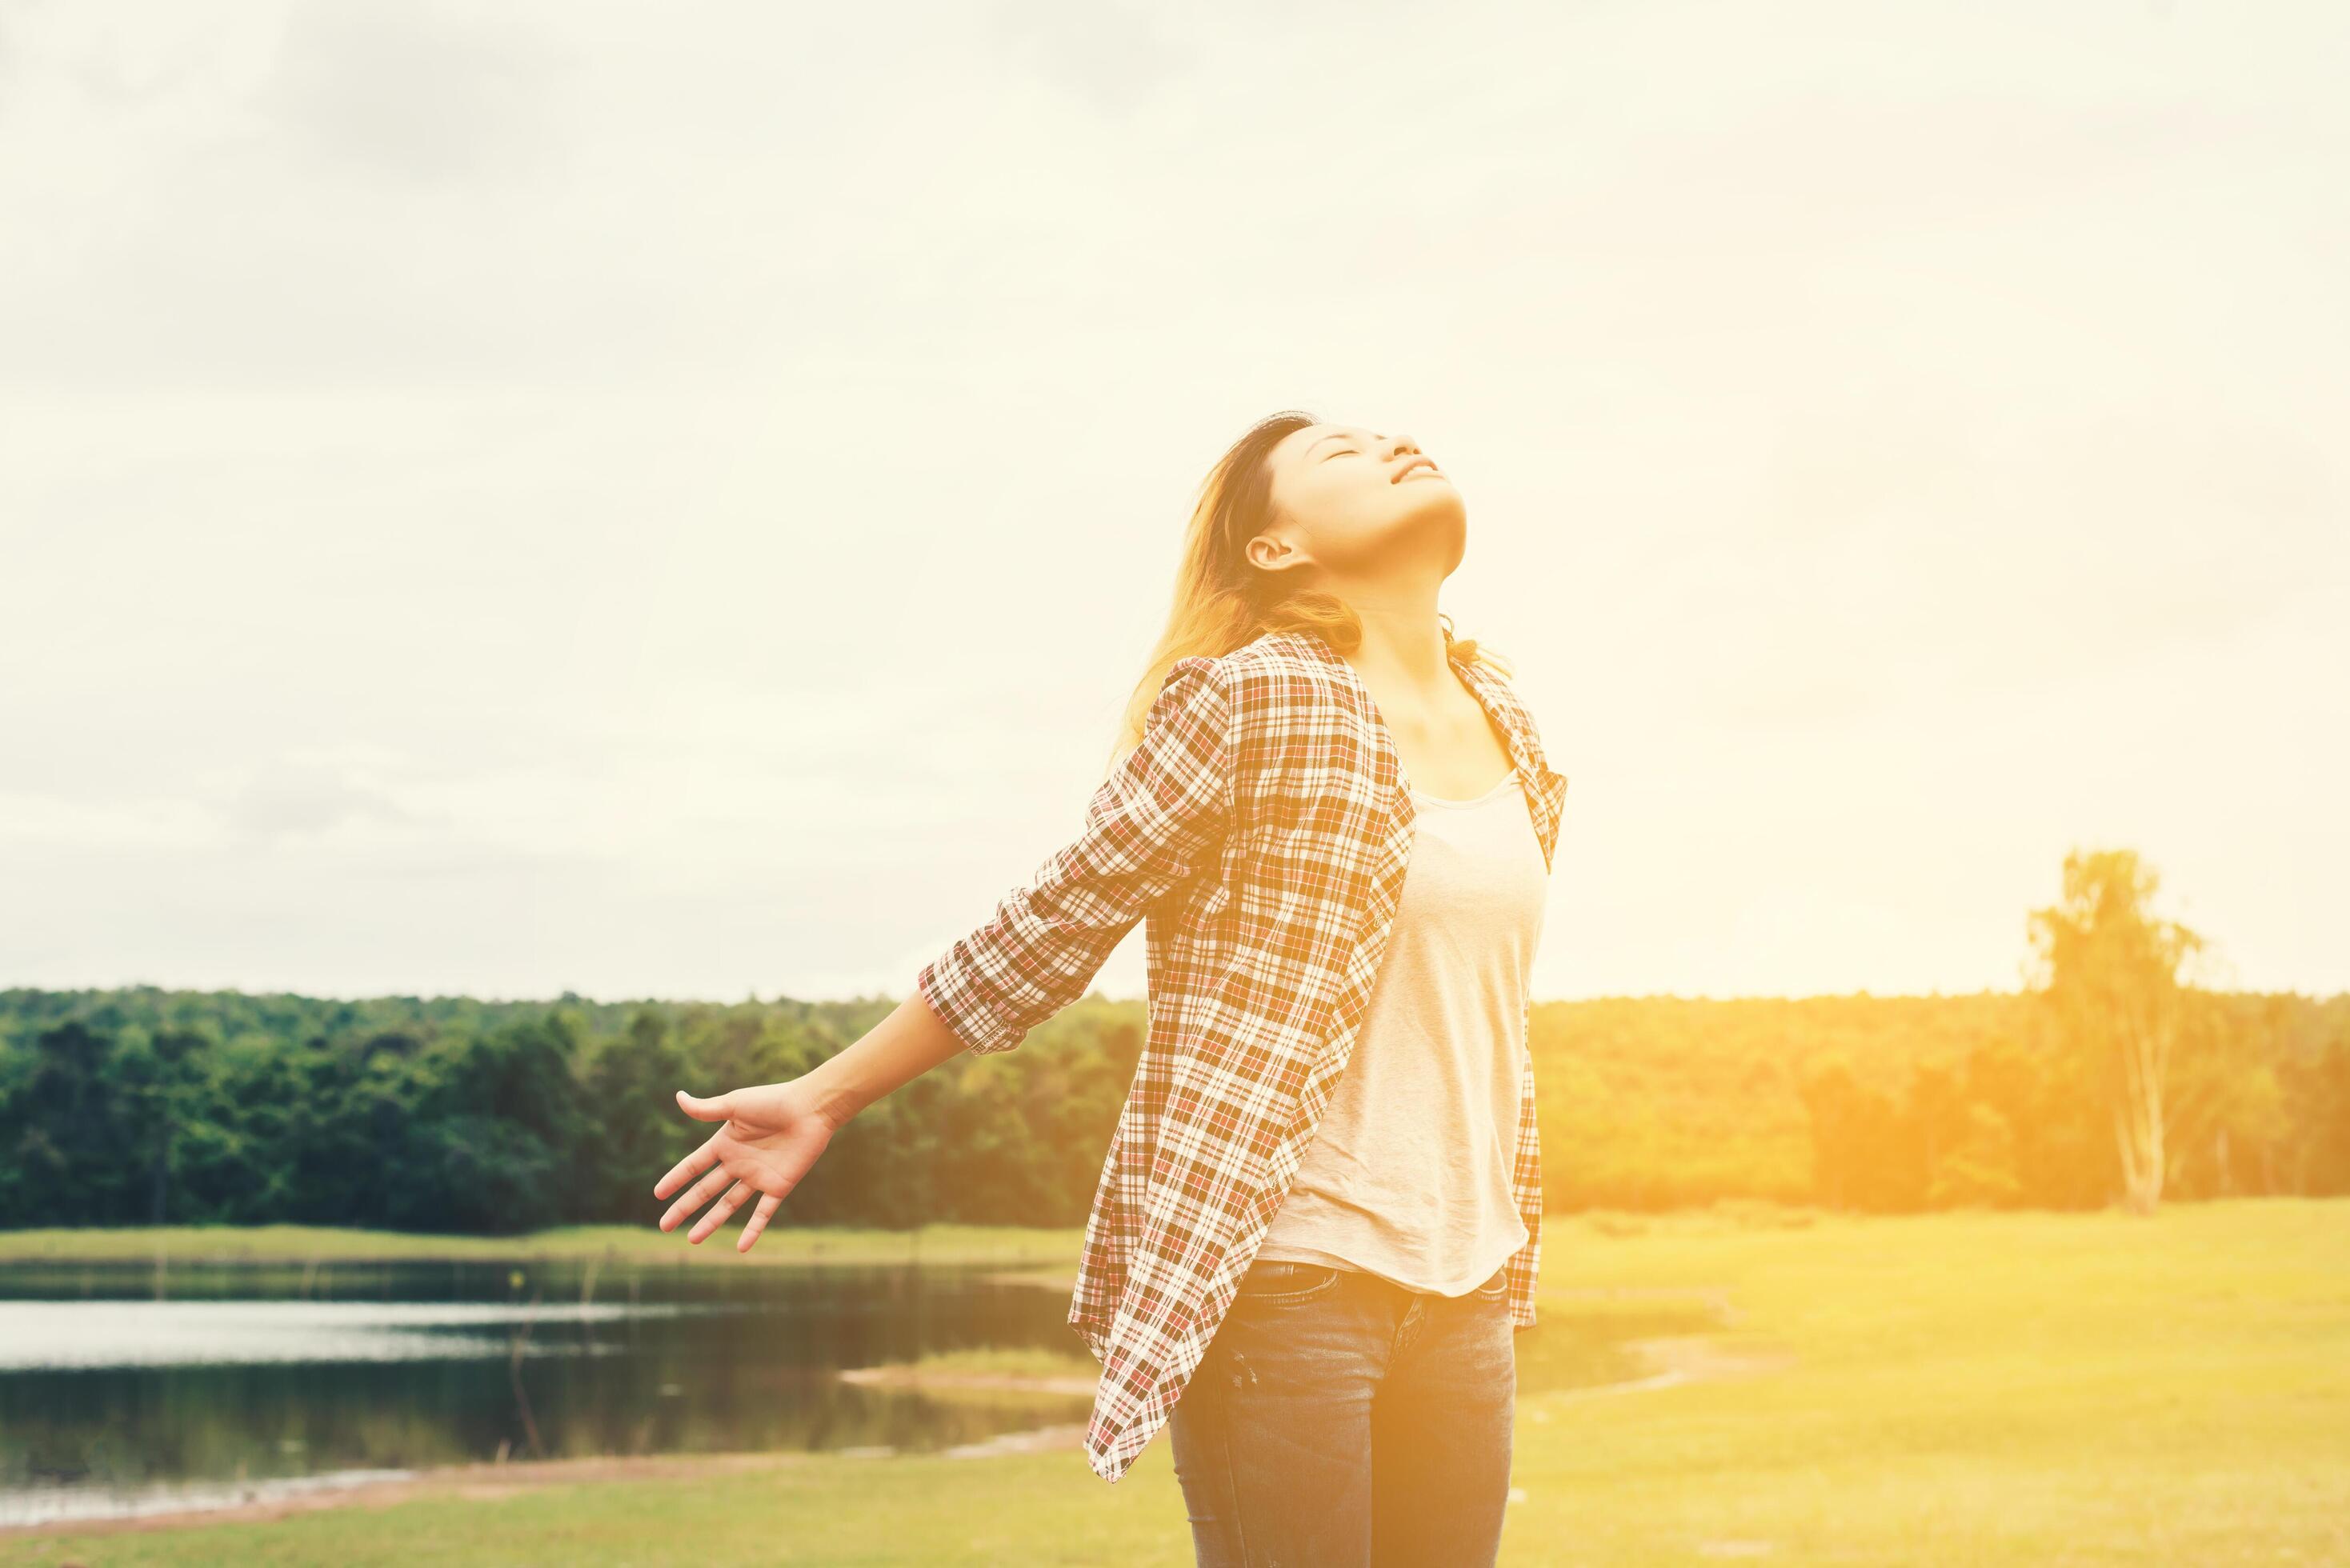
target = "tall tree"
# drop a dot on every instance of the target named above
(2108, 969)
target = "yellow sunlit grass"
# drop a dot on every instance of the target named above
(1965, 1388)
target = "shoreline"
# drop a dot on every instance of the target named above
(1677, 1359)
(488, 1481)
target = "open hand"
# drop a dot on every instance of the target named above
(770, 1138)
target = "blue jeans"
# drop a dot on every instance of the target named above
(1339, 1420)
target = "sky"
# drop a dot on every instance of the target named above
(670, 502)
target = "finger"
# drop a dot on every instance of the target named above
(701, 1193)
(711, 1110)
(719, 1211)
(692, 1165)
(757, 1223)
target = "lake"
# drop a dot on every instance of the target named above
(127, 1389)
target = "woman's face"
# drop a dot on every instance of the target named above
(1357, 503)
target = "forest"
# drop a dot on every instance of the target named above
(2111, 1079)
(142, 1106)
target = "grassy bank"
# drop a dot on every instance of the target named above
(1948, 1389)
(1009, 1245)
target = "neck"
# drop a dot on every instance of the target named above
(1401, 637)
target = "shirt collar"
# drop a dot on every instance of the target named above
(1486, 684)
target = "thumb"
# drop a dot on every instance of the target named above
(710, 1110)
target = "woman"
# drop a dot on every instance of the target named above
(1320, 1216)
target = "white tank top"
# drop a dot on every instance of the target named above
(1407, 1175)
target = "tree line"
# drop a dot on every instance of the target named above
(2108, 1082)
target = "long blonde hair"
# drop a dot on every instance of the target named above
(1221, 603)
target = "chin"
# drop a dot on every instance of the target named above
(1441, 522)
(1438, 503)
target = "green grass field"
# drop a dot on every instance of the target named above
(1949, 1389)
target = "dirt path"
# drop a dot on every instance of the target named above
(478, 1482)
(1682, 1359)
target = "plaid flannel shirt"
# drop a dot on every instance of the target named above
(1263, 826)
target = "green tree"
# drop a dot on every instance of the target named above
(2108, 969)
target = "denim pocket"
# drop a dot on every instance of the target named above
(1277, 1281)
(1497, 1287)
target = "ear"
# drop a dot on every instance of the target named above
(1273, 551)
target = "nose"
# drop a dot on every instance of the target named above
(1399, 444)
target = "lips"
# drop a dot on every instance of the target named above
(1409, 466)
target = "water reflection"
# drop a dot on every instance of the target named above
(82, 1334)
(119, 1386)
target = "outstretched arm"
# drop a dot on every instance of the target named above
(774, 1133)
(1152, 824)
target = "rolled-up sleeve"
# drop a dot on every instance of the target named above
(1153, 823)
(1526, 1177)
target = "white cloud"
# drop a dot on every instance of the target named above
(560, 495)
